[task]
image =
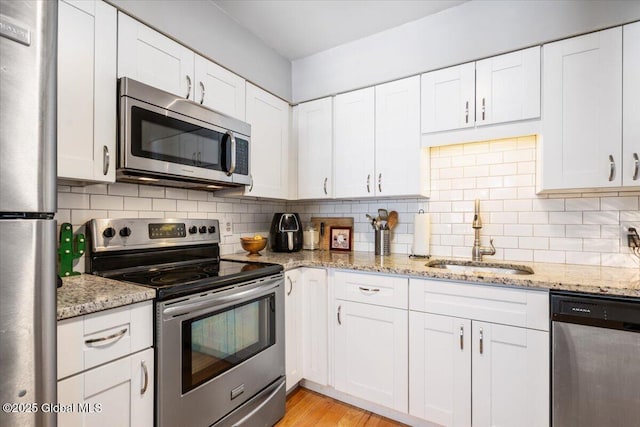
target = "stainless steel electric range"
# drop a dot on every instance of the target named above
(219, 325)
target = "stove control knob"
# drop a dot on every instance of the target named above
(109, 232)
(193, 229)
(203, 229)
(212, 229)
(125, 232)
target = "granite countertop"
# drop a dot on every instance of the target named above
(87, 293)
(579, 278)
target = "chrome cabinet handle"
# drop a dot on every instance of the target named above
(202, 88)
(290, 286)
(461, 337)
(106, 159)
(251, 185)
(368, 182)
(372, 290)
(483, 109)
(481, 341)
(339, 320)
(325, 185)
(466, 112)
(612, 168)
(635, 166)
(380, 183)
(188, 87)
(116, 336)
(232, 168)
(143, 390)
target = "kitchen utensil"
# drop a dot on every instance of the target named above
(393, 220)
(383, 214)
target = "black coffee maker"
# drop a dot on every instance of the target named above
(285, 234)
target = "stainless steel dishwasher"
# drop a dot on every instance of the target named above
(595, 365)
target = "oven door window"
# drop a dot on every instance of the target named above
(218, 341)
(156, 136)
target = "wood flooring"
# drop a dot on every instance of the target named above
(308, 408)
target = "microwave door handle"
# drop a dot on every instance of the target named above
(232, 167)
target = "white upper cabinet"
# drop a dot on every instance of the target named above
(315, 132)
(582, 126)
(354, 120)
(269, 120)
(508, 87)
(448, 98)
(401, 166)
(219, 89)
(631, 105)
(87, 32)
(500, 89)
(152, 58)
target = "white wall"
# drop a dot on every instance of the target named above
(203, 27)
(471, 31)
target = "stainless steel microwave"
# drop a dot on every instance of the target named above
(168, 140)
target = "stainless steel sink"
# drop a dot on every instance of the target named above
(473, 267)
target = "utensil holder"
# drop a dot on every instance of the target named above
(382, 242)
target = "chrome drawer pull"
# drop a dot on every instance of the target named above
(372, 290)
(369, 180)
(461, 337)
(143, 390)
(290, 286)
(481, 341)
(339, 320)
(612, 168)
(635, 166)
(380, 183)
(188, 87)
(117, 335)
(202, 97)
(325, 186)
(106, 160)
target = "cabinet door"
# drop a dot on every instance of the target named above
(112, 394)
(86, 91)
(314, 325)
(269, 120)
(293, 326)
(398, 156)
(448, 98)
(440, 369)
(354, 144)
(371, 354)
(314, 149)
(149, 57)
(510, 376)
(582, 127)
(631, 106)
(508, 87)
(219, 89)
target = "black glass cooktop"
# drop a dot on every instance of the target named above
(182, 279)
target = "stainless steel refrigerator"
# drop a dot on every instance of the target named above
(28, 46)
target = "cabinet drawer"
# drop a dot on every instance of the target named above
(94, 339)
(518, 307)
(387, 291)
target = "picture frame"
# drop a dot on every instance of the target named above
(341, 238)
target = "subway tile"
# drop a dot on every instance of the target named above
(167, 205)
(452, 150)
(526, 192)
(582, 231)
(452, 173)
(528, 141)
(476, 171)
(505, 242)
(176, 193)
(490, 182)
(525, 255)
(64, 188)
(520, 155)
(472, 194)
(518, 205)
(440, 162)
(538, 204)
(610, 231)
(518, 230)
(549, 230)
(187, 205)
(106, 202)
(123, 214)
(533, 217)
(630, 216)
(492, 229)
(565, 217)
(207, 206)
(619, 203)
(503, 169)
(462, 206)
(491, 158)
(73, 201)
(63, 215)
(533, 243)
(556, 257)
(565, 244)
(503, 193)
(466, 160)
(519, 180)
(601, 217)
(197, 195)
(123, 189)
(601, 245)
(452, 240)
(91, 189)
(463, 183)
(475, 148)
(583, 258)
(625, 260)
(526, 167)
(503, 145)
(236, 208)
(504, 217)
(137, 204)
(151, 191)
(81, 216)
(583, 204)
(440, 207)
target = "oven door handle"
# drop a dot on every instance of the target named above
(187, 308)
(265, 400)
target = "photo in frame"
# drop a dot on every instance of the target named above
(341, 238)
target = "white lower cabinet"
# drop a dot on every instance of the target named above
(465, 371)
(370, 338)
(119, 393)
(315, 353)
(293, 326)
(371, 353)
(106, 368)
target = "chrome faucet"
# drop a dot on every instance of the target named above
(478, 251)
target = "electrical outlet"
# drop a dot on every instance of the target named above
(227, 226)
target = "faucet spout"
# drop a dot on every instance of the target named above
(478, 251)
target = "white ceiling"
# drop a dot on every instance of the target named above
(299, 28)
